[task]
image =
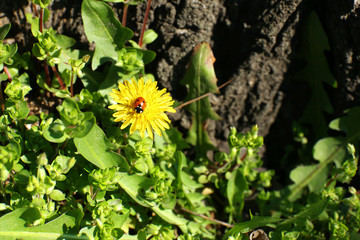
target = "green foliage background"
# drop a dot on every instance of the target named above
(73, 174)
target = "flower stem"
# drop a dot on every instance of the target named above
(71, 85)
(6, 70)
(202, 96)
(58, 77)
(208, 218)
(1, 101)
(144, 23)
(41, 20)
(34, 9)
(123, 21)
(47, 74)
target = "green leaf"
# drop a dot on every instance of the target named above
(64, 41)
(349, 124)
(200, 79)
(235, 190)
(7, 52)
(13, 225)
(92, 79)
(57, 195)
(326, 150)
(34, 25)
(54, 132)
(312, 47)
(134, 185)
(102, 27)
(83, 128)
(169, 216)
(4, 31)
(330, 147)
(309, 213)
(171, 135)
(317, 183)
(109, 81)
(95, 148)
(149, 36)
(254, 223)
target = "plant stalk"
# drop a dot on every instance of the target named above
(208, 218)
(58, 77)
(6, 70)
(47, 74)
(144, 23)
(123, 21)
(1, 101)
(202, 96)
(41, 20)
(71, 85)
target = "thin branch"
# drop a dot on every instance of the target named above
(6, 70)
(202, 96)
(35, 9)
(58, 77)
(208, 218)
(72, 85)
(144, 23)
(47, 74)
(1, 101)
(41, 20)
(123, 21)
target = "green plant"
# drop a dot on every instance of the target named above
(71, 172)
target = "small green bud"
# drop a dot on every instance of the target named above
(351, 148)
(352, 190)
(42, 160)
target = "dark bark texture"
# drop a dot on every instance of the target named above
(254, 43)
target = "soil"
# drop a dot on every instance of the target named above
(254, 42)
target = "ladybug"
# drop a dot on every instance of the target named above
(139, 105)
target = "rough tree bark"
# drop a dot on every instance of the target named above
(253, 41)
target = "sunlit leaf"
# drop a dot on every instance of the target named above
(200, 79)
(95, 148)
(102, 27)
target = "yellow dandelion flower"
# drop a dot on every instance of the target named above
(143, 106)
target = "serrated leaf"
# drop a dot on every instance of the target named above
(309, 213)
(13, 225)
(102, 27)
(348, 124)
(326, 150)
(300, 173)
(95, 148)
(200, 79)
(312, 47)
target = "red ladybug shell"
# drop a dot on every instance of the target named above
(139, 105)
